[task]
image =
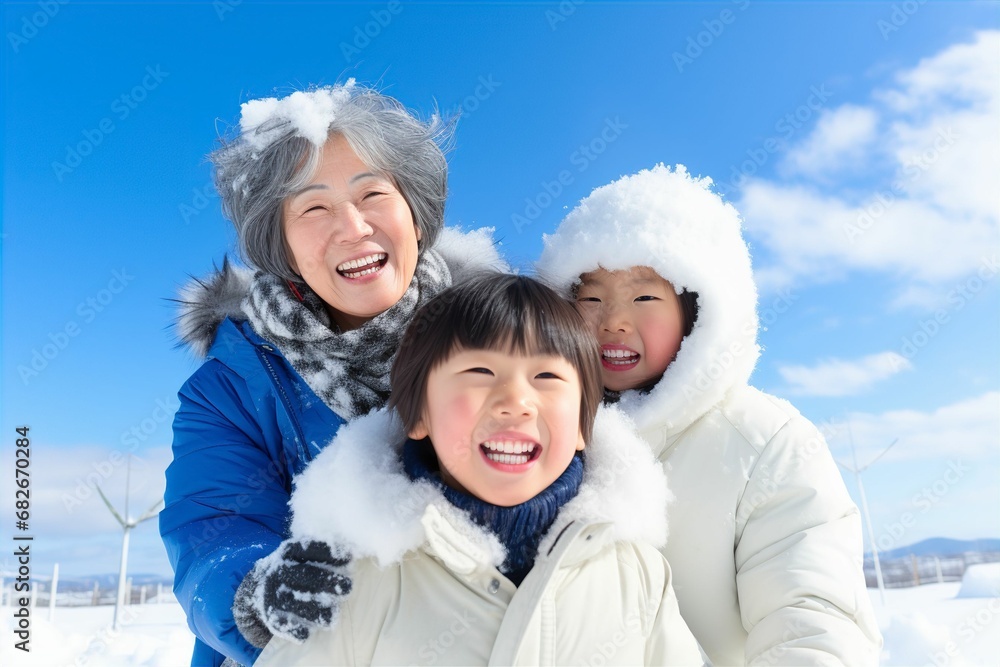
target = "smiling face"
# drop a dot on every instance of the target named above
(638, 321)
(504, 425)
(351, 236)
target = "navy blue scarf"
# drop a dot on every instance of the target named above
(519, 528)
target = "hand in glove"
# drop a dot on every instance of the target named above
(294, 590)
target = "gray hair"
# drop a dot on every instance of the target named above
(254, 182)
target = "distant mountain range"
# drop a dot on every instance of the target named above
(939, 546)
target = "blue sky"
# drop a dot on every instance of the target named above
(861, 141)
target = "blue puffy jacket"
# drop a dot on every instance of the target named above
(247, 424)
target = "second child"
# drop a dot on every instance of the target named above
(765, 543)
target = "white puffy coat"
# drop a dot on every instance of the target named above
(765, 542)
(426, 585)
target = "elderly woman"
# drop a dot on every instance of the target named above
(337, 195)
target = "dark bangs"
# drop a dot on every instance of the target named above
(497, 312)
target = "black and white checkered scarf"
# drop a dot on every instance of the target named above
(348, 370)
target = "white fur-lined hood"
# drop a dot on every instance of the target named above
(675, 224)
(356, 494)
(205, 303)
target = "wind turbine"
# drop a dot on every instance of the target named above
(127, 525)
(864, 503)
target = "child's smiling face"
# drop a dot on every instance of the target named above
(638, 320)
(504, 425)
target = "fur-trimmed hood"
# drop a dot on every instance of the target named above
(674, 223)
(206, 302)
(356, 494)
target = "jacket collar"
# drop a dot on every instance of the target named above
(205, 303)
(355, 494)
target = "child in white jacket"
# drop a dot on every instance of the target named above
(765, 542)
(482, 529)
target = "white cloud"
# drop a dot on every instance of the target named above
(837, 377)
(962, 72)
(930, 213)
(64, 492)
(839, 140)
(968, 431)
(70, 522)
(818, 237)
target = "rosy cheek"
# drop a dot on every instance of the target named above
(461, 405)
(653, 342)
(457, 419)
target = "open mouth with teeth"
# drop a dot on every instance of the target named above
(503, 453)
(363, 266)
(619, 359)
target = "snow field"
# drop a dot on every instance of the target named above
(946, 625)
(954, 624)
(981, 581)
(151, 635)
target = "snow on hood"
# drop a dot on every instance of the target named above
(356, 494)
(674, 223)
(206, 302)
(309, 113)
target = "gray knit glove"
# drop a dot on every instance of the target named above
(296, 589)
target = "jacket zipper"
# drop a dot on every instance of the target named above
(302, 450)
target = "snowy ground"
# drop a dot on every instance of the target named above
(937, 624)
(151, 635)
(943, 624)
